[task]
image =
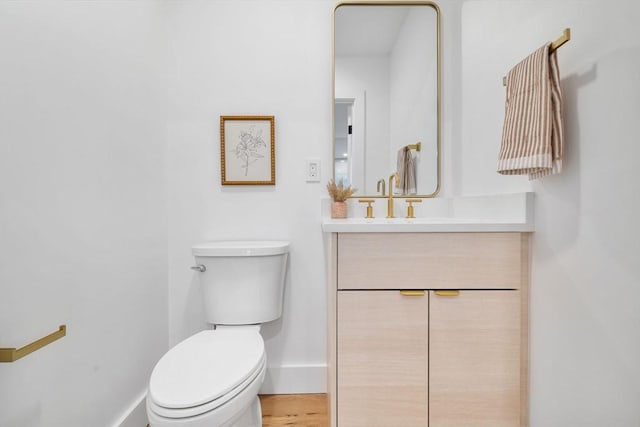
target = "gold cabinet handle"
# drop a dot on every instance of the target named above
(8, 355)
(447, 293)
(412, 293)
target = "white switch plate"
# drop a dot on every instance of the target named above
(313, 170)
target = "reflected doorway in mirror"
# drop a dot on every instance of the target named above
(343, 140)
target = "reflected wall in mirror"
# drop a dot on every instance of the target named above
(387, 96)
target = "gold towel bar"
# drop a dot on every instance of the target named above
(415, 146)
(565, 37)
(13, 354)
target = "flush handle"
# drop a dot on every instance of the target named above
(201, 268)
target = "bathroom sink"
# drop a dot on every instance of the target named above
(501, 213)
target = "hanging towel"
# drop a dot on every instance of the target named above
(406, 172)
(532, 132)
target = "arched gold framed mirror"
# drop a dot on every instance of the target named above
(387, 96)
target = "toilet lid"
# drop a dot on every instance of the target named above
(205, 367)
(240, 248)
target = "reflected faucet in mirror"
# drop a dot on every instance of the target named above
(381, 183)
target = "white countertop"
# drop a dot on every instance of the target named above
(496, 213)
(422, 225)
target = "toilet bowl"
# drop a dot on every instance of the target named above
(212, 378)
(209, 379)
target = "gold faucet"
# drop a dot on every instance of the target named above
(381, 183)
(390, 200)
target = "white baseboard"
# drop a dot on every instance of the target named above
(291, 379)
(136, 414)
(295, 379)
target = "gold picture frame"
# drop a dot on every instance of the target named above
(247, 150)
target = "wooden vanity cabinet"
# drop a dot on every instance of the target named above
(382, 359)
(424, 357)
(474, 359)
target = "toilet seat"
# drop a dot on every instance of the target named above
(251, 386)
(205, 371)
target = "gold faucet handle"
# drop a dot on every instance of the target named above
(410, 213)
(369, 207)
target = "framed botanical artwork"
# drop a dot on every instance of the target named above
(247, 150)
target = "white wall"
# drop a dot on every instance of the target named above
(585, 289)
(451, 102)
(83, 208)
(247, 58)
(366, 78)
(413, 113)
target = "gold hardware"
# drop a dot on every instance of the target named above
(410, 213)
(13, 354)
(369, 207)
(565, 37)
(412, 293)
(390, 200)
(415, 146)
(446, 293)
(381, 183)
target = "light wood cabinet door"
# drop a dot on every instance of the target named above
(382, 366)
(474, 359)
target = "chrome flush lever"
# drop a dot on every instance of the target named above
(201, 268)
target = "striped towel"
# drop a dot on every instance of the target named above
(532, 132)
(406, 172)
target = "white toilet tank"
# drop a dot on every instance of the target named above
(242, 281)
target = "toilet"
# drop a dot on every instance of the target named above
(212, 378)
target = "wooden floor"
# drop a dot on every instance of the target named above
(303, 410)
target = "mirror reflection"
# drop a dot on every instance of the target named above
(386, 97)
